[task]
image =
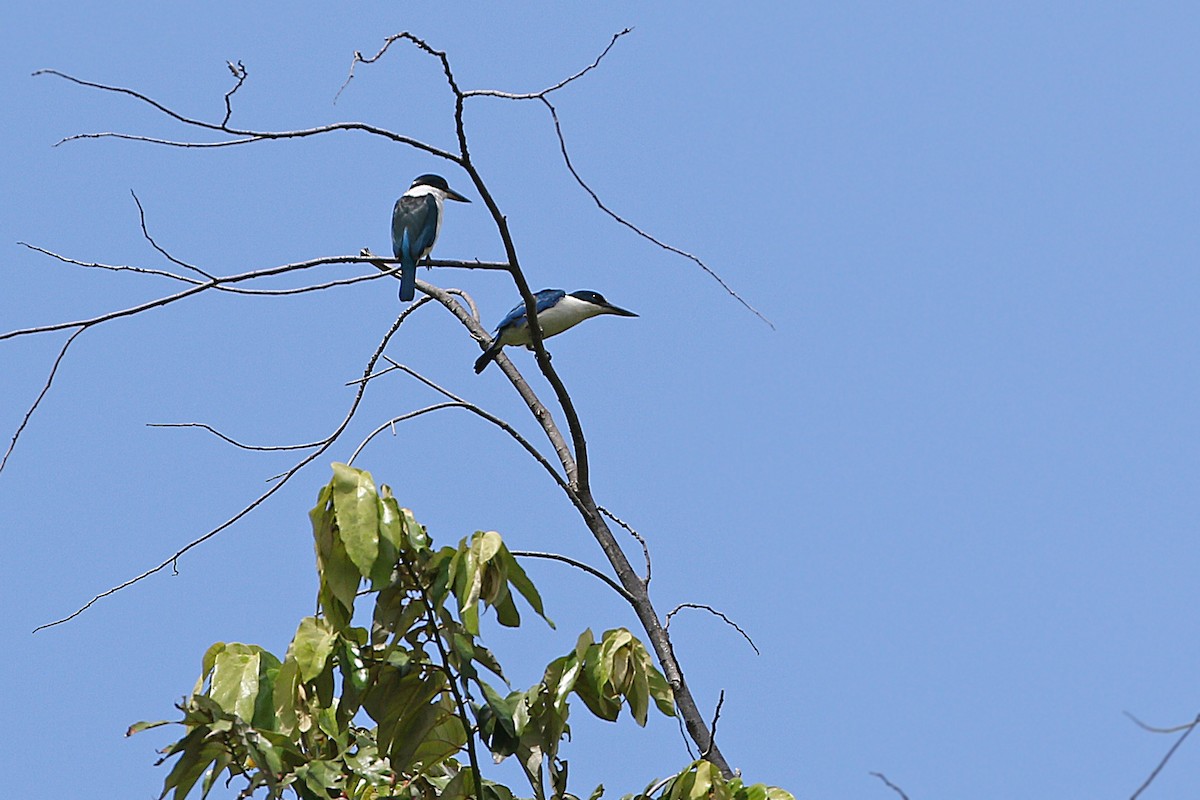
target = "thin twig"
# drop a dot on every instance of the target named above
(1161, 764)
(562, 145)
(328, 442)
(154, 244)
(555, 87)
(456, 402)
(629, 529)
(713, 611)
(257, 447)
(890, 785)
(38, 400)
(616, 587)
(712, 727)
(248, 136)
(239, 72)
(1152, 729)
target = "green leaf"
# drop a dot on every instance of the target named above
(321, 776)
(286, 683)
(775, 793)
(138, 727)
(311, 646)
(356, 506)
(195, 756)
(520, 581)
(391, 538)
(755, 792)
(639, 695)
(660, 690)
(597, 793)
(485, 545)
(397, 696)
(446, 738)
(219, 765)
(206, 665)
(235, 680)
(264, 702)
(506, 611)
(418, 538)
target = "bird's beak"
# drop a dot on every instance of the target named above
(609, 308)
(453, 195)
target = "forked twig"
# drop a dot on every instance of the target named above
(1187, 731)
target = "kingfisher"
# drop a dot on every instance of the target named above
(416, 223)
(556, 312)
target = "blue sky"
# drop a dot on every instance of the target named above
(952, 496)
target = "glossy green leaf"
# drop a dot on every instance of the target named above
(485, 545)
(597, 793)
(356, 506)
(639, 695)
(520, 581)
(755, 792)
(660, 690)
(287, 681)
(391, 538)
(311, 646)
(506, 611)
(206, 665)
(235, 680)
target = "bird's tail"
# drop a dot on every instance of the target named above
(408, 277)
(488, 356)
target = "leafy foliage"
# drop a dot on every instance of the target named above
(390, 711)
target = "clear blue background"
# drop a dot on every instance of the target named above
(952, 498)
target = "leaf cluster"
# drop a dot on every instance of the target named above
(397, 709)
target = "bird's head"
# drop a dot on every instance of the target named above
(438, 184)
(602, 306)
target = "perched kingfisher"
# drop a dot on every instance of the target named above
(416, 223)
(556, 312)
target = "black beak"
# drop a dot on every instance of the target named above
(609, 308)
(453, 195)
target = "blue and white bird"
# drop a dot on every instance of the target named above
(416, 223)
(556, 312)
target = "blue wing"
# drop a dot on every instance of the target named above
(544, 299)
(414, 229)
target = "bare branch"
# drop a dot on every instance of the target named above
(1163, 763)
(38, 400)
(457, 402)
(555, 87)
(162, 273)
(589, 569)
(234, 442)
(629, 529)
(562, 145)
(154, 244)
(714, 612)
(286, 476)
(247, 136)
(890, 785)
